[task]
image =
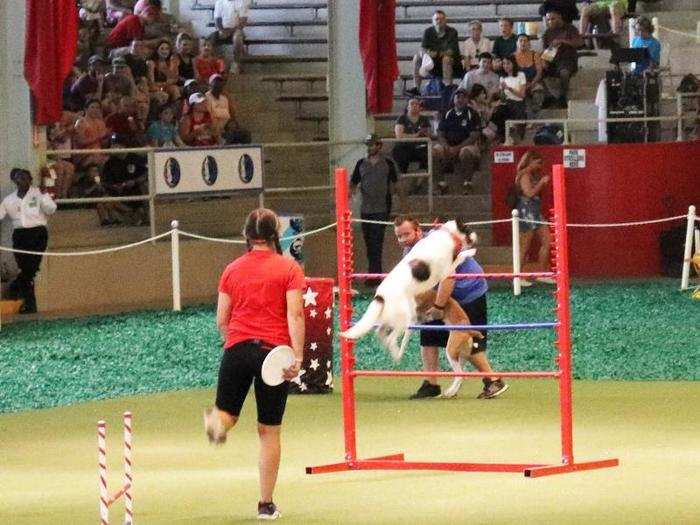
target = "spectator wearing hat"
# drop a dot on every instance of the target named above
(196, 128)
(218, 104)
(483, 75)
(561, 41)
(28, 208)
(132, 27)
(120, 80)
(230, 18)
(89, 84)
(207, 63)
(458, 135)
(439, 47)
(375, 176)
(474, 46)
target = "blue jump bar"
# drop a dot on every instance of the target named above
(490, 327)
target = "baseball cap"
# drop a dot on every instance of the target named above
(189, 82)
(372, 138)
(94, 59)
(196, 98)
(119, 61)
(213, 77)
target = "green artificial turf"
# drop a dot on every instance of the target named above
(625, 331)
(49, 458)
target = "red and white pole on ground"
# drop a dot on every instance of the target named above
(561, 269)
(106, 499)
(345, 270)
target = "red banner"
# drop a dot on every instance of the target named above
(49, 52)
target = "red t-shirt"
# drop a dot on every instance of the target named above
(257, 283)
(206, 67)
(129, 28)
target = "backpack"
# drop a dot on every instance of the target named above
(513, 195)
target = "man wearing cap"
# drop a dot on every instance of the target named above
(458, 135)
(28, 209)
(120, 80)
(89, 84)
(374, 176)
(230, 17)
(483, 75)
(132, 27)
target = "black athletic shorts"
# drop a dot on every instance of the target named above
(240, 366)
(477, 312)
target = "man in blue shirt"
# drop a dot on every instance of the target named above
(645, 39)
(471, 296)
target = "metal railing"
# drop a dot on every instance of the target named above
(679, 118)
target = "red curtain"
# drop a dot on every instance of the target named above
(378, 50)
(49, 53)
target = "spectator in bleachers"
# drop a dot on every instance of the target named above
(230, 18)
(162, 133)
(440, 44)
(89, 44)
(92, 11)
(513, 92)
(135, 58)
(234, 134)
(132, 27)
(474, 46)
(218, 103)
(207, 64)
(184, 47)
(91, 132)
(123, 175)
(90, 186)
(530, 64)
(120, 80)
(506, 43)
(118, 9)
(645, 39)
(561, 40)
(374, 176)
(411, 124)
(126, 124)
(60, 137)
(196, 127)
(163, 71)
(600, 11)
(89, 84)
(480, 103)
(567, 9)
(483, 75)
(459, 136)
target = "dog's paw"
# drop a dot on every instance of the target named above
(450, 393)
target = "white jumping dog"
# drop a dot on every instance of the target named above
(393, 308)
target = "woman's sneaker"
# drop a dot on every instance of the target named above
(426, 390)
(492, 389)
(268, 511)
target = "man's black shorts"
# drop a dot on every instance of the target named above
(477, 312)
(240, 366)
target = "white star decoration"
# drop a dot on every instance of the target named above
(302, 387)
(329, 379)
(328, 363)
(297, 379)
(313, 346)
(314, 364)
(313, 313)
(328, 331)
(309, 297)
(328, 312)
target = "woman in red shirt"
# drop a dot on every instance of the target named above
(260, 306)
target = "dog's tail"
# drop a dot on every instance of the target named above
(368, 319)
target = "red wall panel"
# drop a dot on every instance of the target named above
(620, 183)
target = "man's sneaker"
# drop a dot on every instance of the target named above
(546, 280)
(427, 390)
(214, 427)
(268, 511)
(492, 389)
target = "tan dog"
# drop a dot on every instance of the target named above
(459, 343)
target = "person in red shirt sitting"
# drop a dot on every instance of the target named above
(260, 306)
(196, 127)
(207, 64)
(132, 27)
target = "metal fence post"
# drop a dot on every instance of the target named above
(175, 258)
(515, 226)
(688, 247)
(152, 193)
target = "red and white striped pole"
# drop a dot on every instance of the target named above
(102, 469)
(128, 480)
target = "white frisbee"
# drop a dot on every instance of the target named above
(279, 358)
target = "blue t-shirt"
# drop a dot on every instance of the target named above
(164, 134)
(654, 48)
(468, 290)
